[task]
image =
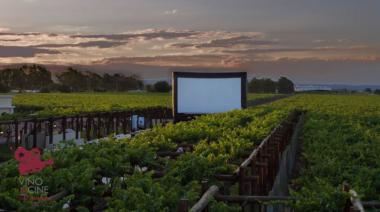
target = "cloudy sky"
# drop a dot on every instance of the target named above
(324, 41)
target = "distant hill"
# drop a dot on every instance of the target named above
(329, 87)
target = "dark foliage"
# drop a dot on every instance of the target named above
(3, 88)
(265, 85)
(284, 85)
(162, 86)
(36, 77)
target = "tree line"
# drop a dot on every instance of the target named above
(369, 90)
(39, 78)
(265, 85)
(36, 77)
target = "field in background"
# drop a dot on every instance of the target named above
(257, 96)
(56, 104)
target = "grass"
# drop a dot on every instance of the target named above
(257, 96)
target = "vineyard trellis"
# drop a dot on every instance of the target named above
(41, 131)
(227, 187)
(278, 137)
(354, 204)
(256, 176)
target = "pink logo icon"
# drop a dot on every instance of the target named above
(30, 161)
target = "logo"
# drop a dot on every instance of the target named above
(30, 161)
(33, 189)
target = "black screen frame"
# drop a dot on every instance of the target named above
(215, 75)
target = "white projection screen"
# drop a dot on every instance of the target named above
(202, 93)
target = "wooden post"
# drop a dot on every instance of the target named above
(77, 127)
(268, 181)
(88, 128)
(204, 185)
(130, 122)
(24, 131)
(117, 123)
(183, 205)
(226, 188)
(34, 133)
(16, 133)
(64, 128)
(108, 124)
(241, 180)
(92, 127)
(242, 184)
(205, 199)
(260, 175)
(271, 172)
(204, 189)
(99, 126)
(348, 204)
(253, 183)
(147, 119)
(124, 122)
(353, 203)
(81, 123)
(25, 127)
(277, 154)
(72, 122)
(112, 123)
(51, 125)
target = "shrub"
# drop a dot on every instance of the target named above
(4, 88)
(162, 86)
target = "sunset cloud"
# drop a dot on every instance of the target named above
(171, 12)
(320, 41)
(236, 41)
(239, 41)
(70, 28)
(172, 48)
(177, 61)
(4, 29)
(99, 44)
(16, 51)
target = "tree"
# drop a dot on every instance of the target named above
(262, 86)
(129, 83)
(266, 85)
(26, 77)
(269, 86)
(377, 91)
(4, 88)
(285, 86)
(13, 78)
(368, 90)
(64, 89)
(162, 86)
(73, 79)
(149, 88)
(255, 86)
(119, 82)
(37, 77)
(108, 82)
(94, 82)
